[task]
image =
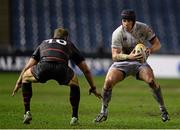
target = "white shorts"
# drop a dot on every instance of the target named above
(129, 67)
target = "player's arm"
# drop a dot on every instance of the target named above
(155, 45)
(79, 60)
(118, 55)
(31, 62)
(86, 71)
(28, 65)
(153, 39)
(116, 48)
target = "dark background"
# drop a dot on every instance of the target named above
(25, 23)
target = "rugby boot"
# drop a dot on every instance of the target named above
(165, 116)
(74, 121)
(27, 117)
(100, 118)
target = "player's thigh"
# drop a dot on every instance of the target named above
(28, 76)
(67, 76)
(146, 74)
(113, 76)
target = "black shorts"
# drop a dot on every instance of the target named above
(45, 71)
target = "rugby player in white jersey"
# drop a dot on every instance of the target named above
(126, 63)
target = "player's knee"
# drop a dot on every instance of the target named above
(74, 81)
(154, 85)
(25, 78)
(109, 83)
(149, 80)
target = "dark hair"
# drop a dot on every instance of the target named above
(128, 14)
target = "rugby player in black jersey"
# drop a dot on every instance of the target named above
(50, 61)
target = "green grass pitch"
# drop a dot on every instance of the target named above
(132, 105)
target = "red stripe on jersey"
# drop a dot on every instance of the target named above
(53, 49)
(56, 59)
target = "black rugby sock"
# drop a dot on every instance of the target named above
(74, 100)
(27, 94)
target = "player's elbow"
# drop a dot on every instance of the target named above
(156, 44)
(86, 70)
(159, 45)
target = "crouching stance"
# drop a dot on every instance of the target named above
(50, 61)
(126, 62)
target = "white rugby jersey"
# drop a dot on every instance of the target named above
(127, 41)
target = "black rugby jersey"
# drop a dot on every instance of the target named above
(57, 50)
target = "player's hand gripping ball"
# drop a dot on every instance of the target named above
(141, 49)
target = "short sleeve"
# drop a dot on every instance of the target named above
(149, 33)
(116, 39)
(36, 54)
(76, 56)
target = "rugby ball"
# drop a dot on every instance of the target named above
(141, 49)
